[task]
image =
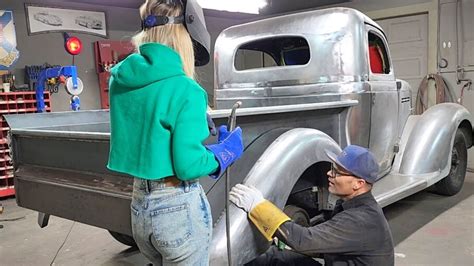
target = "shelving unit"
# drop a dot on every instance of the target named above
(13, 103)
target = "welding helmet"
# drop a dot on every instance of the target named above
(193, 19)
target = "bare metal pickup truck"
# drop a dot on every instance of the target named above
(308, 82)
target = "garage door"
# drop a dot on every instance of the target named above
(408, 44)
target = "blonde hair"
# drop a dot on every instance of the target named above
(174, 36)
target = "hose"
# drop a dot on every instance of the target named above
(443, 92)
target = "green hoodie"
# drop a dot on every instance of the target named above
(157, 118)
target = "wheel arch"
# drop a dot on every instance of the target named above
(275, 173)
(468, 131)
(429, 144)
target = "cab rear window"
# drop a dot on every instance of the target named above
(272, 52)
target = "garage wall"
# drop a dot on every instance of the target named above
(49, 47)
(371, 5)
(215, 25)
(456, 48)
(408, 43)
(122, 23)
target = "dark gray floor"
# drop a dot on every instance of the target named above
(428, 229)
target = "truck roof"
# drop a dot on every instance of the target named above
(340, 17)
(336, 39)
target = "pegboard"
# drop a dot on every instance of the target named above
(107, 54)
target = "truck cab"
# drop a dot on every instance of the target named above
(313, 57)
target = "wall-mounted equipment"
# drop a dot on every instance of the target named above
(66, 75)
(72, 44)
(107, 54)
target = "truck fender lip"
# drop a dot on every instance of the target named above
(420, 153)
(281, 164)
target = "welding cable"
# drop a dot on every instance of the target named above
(466, 86)
(13, 219)
(62, 245)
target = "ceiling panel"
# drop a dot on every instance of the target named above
(115, 3)
(285, 6)
(274, 7)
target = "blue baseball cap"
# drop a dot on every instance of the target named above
(357, 160)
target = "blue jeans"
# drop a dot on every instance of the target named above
(171, 225)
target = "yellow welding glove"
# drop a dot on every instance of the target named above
(267, 218)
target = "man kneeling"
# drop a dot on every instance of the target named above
(356, 234)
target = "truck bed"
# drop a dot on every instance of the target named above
(60, 158)
(97, 199)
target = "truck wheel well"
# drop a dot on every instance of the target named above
(302, 194)
(466, 128)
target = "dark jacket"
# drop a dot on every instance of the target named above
(357, 234)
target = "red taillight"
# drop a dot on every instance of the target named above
(73, 45)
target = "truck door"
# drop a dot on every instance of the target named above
(384, 95)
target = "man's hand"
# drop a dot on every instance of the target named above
(246, 197)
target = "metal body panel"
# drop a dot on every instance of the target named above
(405, 108)
(394, 187)
(59, 154)
(340, 36)
(90, 198)
(282, 163)
(330, 33)
(467, 100)
(60, 119)
(428, 148)
(424, 152)
(359, 117)
(384, 123)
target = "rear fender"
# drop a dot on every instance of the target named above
(274, 174)
(428, 138)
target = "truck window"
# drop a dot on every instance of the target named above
(272, 52)
(379, 63)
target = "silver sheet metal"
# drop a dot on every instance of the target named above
(95, 123)
(281, 165)
(336, 35)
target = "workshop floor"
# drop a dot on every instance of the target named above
(428, 229)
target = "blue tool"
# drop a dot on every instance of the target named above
(74, 85)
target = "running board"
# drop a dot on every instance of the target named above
(394, 186)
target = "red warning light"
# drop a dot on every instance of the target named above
(73, 45)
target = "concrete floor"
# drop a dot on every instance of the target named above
(428, 229)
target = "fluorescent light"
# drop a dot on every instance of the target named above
(242, 6)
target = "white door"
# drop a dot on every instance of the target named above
(408, 44)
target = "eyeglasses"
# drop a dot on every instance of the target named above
(335, 172)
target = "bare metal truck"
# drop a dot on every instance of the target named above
(308, 82)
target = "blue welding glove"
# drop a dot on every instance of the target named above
(222, 134)
(211, 125)
(227, 151)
